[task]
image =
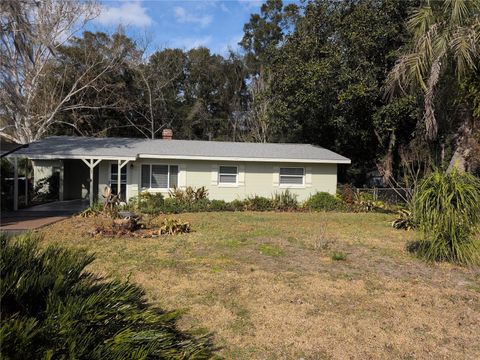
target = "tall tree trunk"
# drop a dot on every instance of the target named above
(465, 142)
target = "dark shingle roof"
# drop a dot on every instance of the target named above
(76, 147)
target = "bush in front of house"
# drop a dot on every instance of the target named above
(258, 203)
(285, 201)
(52, 308)
(195, 200)
(323, 201)
(446, 206)
(147, 203)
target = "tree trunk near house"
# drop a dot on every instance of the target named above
(465, 144)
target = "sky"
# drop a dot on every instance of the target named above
(217, 25)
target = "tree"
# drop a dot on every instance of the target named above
(32, 35)
(98, 110)
(443, 50)
(157, 87)
(327, 77)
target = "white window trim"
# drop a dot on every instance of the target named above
(291, 186)
(116, 178)
(220, 184)
(153, 189)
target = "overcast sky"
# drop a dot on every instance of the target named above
(217, 25)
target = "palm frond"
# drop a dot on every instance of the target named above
(421, 20)
(465, 49)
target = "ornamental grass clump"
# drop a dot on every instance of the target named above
(446, 206)
(52, 308)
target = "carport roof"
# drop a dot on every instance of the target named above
(71, 147)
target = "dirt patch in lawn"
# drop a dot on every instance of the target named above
(267, 286)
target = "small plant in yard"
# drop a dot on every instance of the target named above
(404, 220)
(446, 206)
(271, 250)
(339, 256)
(92, 211)
(52, 308)
(172, 226)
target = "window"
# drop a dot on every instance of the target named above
(292, 176)
(114, 180)
(159, 176)
(227, 175)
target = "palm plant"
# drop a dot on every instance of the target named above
(446, 206)
(52, 308)
(444, 34)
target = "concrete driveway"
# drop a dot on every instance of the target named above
(38, 216)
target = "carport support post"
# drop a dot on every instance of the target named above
(15, 183)
(91, 163)
(119, 179)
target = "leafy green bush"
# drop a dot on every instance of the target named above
(147, 203)
(404, 221)
(258, 203)
(285, 201)
(219, 205)
(173, 206)
(52, 308)
(446, 206)
(323, 201)
(236, 205)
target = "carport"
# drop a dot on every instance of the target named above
(76, 166)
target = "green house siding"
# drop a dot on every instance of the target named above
(253, 178)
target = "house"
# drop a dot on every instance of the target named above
(229, 170)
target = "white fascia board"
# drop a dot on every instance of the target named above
(79, 157)
(225, 158)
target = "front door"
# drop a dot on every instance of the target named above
(114, 181)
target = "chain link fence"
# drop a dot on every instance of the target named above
(388, 195)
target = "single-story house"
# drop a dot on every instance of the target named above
(228, 170)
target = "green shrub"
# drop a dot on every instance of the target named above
(446, 206)
(219, 205)
(323, 201)
(52, 308)
(285, 201)
(173, 206)
(147, 203)
(198, 205)
(236, 205)
(404, 221)
(339, 256)
(258, 203)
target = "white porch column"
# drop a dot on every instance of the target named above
(119, 179)
(91, 163)
(26, 182)
(15, 183)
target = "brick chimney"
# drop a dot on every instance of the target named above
(167, 134)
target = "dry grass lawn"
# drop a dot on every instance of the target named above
(265, 284)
